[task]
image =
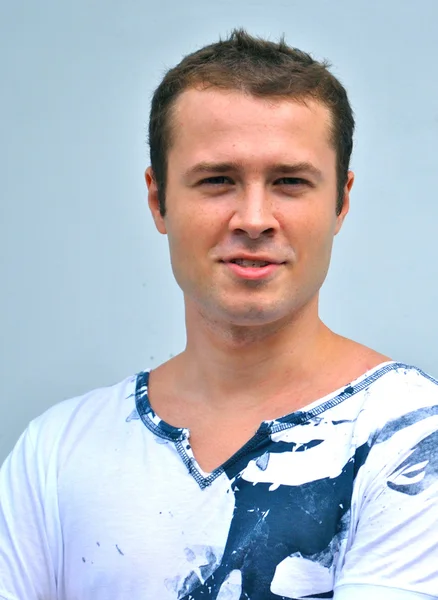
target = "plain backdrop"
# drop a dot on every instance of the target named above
(87, 295)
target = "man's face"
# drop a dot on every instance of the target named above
(251, 204)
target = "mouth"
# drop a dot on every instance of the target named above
(252, 268)
(250, 263)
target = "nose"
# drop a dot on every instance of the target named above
(253, 214)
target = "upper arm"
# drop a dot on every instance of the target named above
(26, 569)
(394, 546)
(373, 592)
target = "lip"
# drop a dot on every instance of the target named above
(258, 257)
(253, 273)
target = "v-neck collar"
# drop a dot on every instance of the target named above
(180, 436)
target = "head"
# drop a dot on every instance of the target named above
(250, 143)
(259, 68)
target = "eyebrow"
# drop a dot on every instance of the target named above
(226, 167)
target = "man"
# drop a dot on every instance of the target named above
(272, 458)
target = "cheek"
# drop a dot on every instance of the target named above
(314, 236)
(180, 245)
(195, 230)
(187, 243)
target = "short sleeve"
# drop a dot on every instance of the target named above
(26, 569)
(394, 544)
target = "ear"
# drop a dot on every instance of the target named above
(346, 203)
(153, 201)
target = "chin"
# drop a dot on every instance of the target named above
(252, 315)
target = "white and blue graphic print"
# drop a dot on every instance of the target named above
(292, 485)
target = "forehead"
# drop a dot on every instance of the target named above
(221, 123)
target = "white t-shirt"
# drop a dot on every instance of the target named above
(102, 500)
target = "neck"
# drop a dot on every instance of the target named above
(247, 364)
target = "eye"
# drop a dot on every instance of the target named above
(216, 180)
(291, 181)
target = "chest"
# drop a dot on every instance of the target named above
(141, 524)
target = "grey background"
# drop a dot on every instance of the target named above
(87, 296)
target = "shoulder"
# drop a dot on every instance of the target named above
(394, 390)
(395, 496)
(399, 424)
(92, 411)
(399, 402)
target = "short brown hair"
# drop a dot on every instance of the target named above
(260, 68)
